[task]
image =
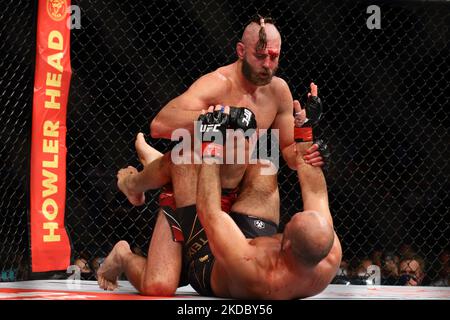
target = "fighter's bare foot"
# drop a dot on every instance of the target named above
(136, 199)
(111, 268)
(145, 152)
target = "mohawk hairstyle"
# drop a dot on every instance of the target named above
(262, 42)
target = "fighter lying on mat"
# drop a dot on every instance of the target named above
(258, 197)
(298, 263)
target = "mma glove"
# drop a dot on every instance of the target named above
(212, 128)
(304, 133)
(242, 118)
(323, 149)
(313, 109)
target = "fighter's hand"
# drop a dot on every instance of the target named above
(314, 89)
(302, 130)
(311, 153)
(299, 115)
(242, 118)
(212, 126)
(313, 107)
(313, 157)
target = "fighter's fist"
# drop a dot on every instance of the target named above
(317, 154)
(214, 121)
(212, 126)
(313, 106)
(242, 118)
(299, 115)
(306, 117)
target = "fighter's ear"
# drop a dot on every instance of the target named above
(240, 50)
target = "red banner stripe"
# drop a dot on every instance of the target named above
(50, 246)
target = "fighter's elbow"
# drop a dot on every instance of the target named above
(290, 156)
(157, 129)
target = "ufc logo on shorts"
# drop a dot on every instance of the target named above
(209, 128)
(247, 115)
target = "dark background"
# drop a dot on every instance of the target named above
(384, 93)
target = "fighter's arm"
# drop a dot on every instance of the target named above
(284, 122)
(182, 111)
(227, 242)
(315, 197)
(312, 182)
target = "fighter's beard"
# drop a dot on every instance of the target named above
(252, 76)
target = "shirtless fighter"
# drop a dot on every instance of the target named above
(249, 82)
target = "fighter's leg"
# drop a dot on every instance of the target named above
(110, 270)
(146, 153)
(259, 194)
(156, 173)
(312, 183)
(164, 261)
(184, 181)
(125, 183)
(159, 274)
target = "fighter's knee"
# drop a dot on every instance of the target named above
(122, 246)
(158, 288)
(184, 169)
(156, 128)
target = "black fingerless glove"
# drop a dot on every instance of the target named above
(242, 118)
(212, 128)
(313, 110)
